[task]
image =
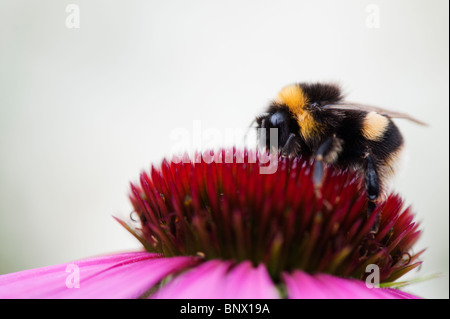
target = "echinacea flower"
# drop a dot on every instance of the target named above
(221, 229)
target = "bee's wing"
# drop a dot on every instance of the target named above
(370, 108)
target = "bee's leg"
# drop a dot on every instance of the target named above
(318, 165)
(328, 151)
(372, 188)
(318, 173)
(288, 147)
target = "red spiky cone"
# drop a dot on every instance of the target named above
(231, 211)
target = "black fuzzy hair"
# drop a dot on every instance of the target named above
(322, 92)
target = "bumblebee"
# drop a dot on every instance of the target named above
(314, 120)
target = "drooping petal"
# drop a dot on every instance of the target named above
(125, 275)
(300, 285)
(202, 282)
(246, 282)
(219, 280)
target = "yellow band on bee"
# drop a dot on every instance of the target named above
(374, 126)
(296, 100)
(293, 97)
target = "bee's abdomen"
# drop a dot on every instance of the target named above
(387, 147)
(373, 133)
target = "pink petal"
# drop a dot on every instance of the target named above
(202, 282)
(215, 279)
(246, 282)
(301, 285)
(125, 275)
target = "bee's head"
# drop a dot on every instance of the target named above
(298, 107)
(297, 110)
(280, 118)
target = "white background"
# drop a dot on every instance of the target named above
(84, 111)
